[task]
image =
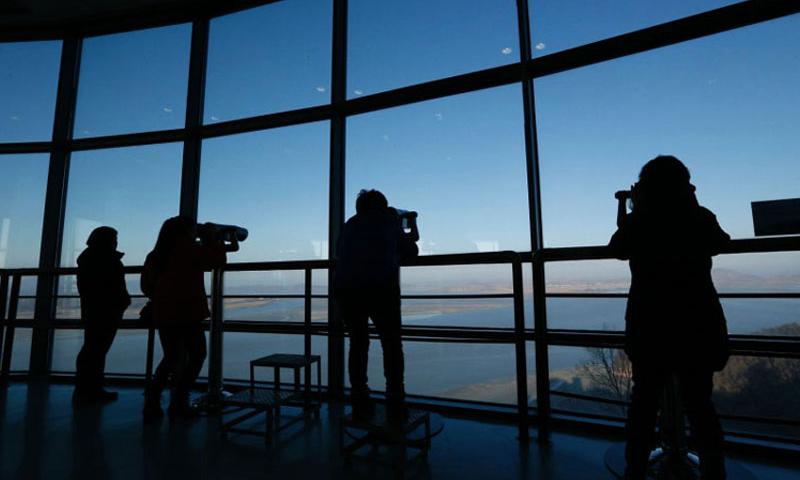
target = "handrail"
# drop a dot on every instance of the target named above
(475, 258)
(736, 246)
(550, 254)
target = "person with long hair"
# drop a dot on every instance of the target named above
(172, 279)
(674, 323)
(104, 298)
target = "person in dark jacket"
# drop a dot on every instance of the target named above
(172, 279)
(104, 298)
(371, 246)
(674, 323)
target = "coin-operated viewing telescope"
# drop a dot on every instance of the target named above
(406, 218)
(228, 235)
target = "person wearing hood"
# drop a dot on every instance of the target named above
(674, 322)
(104, 298)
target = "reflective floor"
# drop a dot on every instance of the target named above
(42, 437)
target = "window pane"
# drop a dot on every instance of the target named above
(397, 43)
(458, 280)
(241, 348)
(586, 313)
(131, 189)
(269, 59)
(598, 125)
(561, 24)
(133, 82)
(603, 373)
(275, 184)
(458, 161)
(438, 370)
(21, 350)
(127, 355)
(759, 387)
(23, 182)
(28, 84)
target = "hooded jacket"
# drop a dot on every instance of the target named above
(101, 284)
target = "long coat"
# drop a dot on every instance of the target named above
(177, 290)
(674, 317)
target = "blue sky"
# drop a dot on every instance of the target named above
(725, 104)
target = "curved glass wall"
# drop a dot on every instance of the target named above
(455, 150)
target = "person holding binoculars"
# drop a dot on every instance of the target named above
(674, 323)
(172, 279)
(371, 247)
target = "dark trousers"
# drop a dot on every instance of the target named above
(383, 307)
(98, 336)
(695, 389)
(184, 348)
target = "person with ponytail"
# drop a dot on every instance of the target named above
(172, 279)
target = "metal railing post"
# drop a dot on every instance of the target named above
(8, 350)
(307, 326)
(215, 342)
(519, 344)
(148, 362)
(3, 305)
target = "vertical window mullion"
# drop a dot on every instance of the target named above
(190, 175)
(535, 225)
(336, 203)
(55, 200)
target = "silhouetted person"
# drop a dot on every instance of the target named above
(674, 323)
(371, 246)
(104, 298)
(173, 281)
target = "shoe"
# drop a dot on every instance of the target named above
(106, 396)
(179, 407)
(84, 396)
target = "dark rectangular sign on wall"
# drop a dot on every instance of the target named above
(776, 217)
